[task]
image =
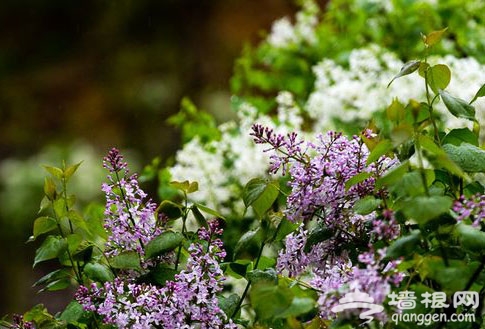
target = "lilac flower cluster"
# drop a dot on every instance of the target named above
(375, 279)
(320, 199)
(334, 274)
(19, 323)
(188, 301)
(472, 208)
(130, 217)
(319, 172)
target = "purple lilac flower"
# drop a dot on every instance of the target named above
(386, 228)
(375, 279)
(130, 216)
(189, 301)
(318, 175)
(472, 208)
(19, 323)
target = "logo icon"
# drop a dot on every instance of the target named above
(359, 300)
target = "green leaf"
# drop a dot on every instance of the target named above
(228, 304)
(50, 188)
(199, 217)
(423, 67)
(438, 156)
(318, 234)
(183, 186)
(408, 68)
(469, 157)
(44, 204)
(359, 178)
(73, 312)
(74, 241)
(166, 241)
(284, 228)
(382, 148)
(439, 77)
(126, 260)
(240, 267)
(393, 175)
(260, 194)
(193, 187)
(366, 205)
(266, 200)
(52, 276)
(253, 190)
(396, 111)
(159, 275)
(39, 315)
(78, 220)
(451, 277)
(94, 218)
(186, 186)
(43, 225)
(471, 239)
(246, 239)
(59, 206)
(60, 284)
(458, 107)
(51, 248)
(268, 275)
(424, 208)
(170, 209)
(401, 134)
(411, 183)
(280, 297)
(434, 37)
(429, 145)
(299, 306)
(209, 211)
(54, 171)
(84, 252)
(69, 171)
(98, 272)
(404, 246)
(459, 136)
(480, 93)
(266, 262)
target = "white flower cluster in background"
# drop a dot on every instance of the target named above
(349, 94)
(284, 34)
(355, 93)
(223, 167)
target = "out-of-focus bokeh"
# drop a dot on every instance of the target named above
(79, 77)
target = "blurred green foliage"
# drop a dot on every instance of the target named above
(344, 25)
(87, 76)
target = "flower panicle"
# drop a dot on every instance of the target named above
(287, 148)
(114, 161)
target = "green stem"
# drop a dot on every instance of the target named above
(76, 272)
(421, 164)
(430, 102)
(184, 220)
(475, 274)
(64, 195)
(243, 296)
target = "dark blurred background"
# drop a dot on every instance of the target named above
(79, 77)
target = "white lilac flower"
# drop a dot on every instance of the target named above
(223, 167)
(357, 92)
(284, 34)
